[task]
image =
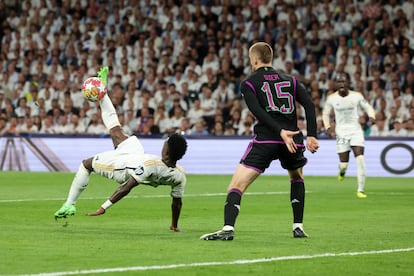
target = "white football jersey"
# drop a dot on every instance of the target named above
(129, 160)
(346, 111)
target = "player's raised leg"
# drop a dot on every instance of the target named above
(108, 113)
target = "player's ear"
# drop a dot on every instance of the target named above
(165, 150)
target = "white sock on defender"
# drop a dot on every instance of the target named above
(361, 170)
(79, 183)
(109, 116)
(296, 225)
(343, 166)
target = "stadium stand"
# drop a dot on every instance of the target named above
(178, 60)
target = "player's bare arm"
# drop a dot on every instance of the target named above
(331, 132)
(121, 192)
(176, 205)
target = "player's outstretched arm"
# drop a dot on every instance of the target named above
(175, 213)
(121, 192)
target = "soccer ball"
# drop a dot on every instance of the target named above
(93, 89)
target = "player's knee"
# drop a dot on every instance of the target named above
(360, 158)
(295, 174)
(117, 135)
(87, 163)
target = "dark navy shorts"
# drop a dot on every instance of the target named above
(259, 155)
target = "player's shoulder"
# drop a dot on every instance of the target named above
(180, 169)
(282, 75)
(332, 94)
(152, 161)
(355, 93)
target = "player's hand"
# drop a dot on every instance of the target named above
(312, 144)
(287, 136)
(98, 212)
(175, 229)
(331, 132)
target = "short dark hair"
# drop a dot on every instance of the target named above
(177, 146)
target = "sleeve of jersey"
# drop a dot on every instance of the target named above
(141, 173)
(305, 100)
(367, 108)
(249, 94)
(178, 190)
(326, 114)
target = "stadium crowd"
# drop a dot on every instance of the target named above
(176, 65)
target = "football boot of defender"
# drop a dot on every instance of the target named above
(219, 235)
(341, 176)
(103, 74)
(299, 233)
(361, 195)
(65, 211)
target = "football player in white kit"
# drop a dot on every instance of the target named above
(130, 166)
(346, 105)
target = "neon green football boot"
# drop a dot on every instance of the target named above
(341, 176)
(361, 195)
(65, 210)
(103, 74)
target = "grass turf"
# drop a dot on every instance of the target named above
(132, 238)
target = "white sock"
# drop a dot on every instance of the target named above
(109, 116)
(296, 225)
(79, 183)
(228, 228)
(361, 170)
(343, 166)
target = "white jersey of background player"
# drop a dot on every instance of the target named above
(346, 105)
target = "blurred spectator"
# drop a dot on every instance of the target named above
(175, 119)
(199, 129)
(185, 127)
(3, 125)
(409, 126)
(398, 129)
(12, 126)
(247, 129)
(142, 119)
(63, 126)
(195, 113)
(218, 129)
(229, 130)
(379, 129)
(150, 128)
(96, 126)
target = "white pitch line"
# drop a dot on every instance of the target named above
(143, 196)
(252, 261)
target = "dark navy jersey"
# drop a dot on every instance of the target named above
(271, 96)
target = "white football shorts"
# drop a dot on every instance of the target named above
(112, 164)
(349, 138)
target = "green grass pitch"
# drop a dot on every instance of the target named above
(348, 236)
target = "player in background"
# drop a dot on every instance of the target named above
(346, 104)
(128, 165)
(271, 96)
